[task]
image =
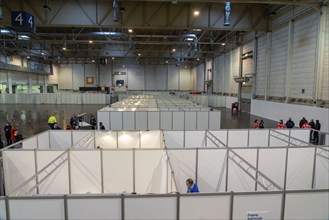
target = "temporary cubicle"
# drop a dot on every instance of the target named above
(282, 165)
(158, 113)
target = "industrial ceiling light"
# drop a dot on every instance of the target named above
(167, 61)
(42, 53)
(173, 50)
(223, 44)
(196, 13)
(90, 41)
(198, 59)
(227, 14)
(130, 30)
(139, 54)
(112, 58)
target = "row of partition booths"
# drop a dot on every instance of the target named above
(138, 173)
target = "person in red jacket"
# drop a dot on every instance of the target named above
(256, 125)
(281, 125)
(306, 125)
(12, 133)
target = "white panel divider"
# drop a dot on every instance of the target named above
(37, 208)
(266, 205)
(150, 208)
(96, 208)
(116, 121)
(193, 207)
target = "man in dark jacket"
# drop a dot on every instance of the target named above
(7, 129)
(1, 142)
(290, 123)
(312, 124)
(302, 121)
(317, 127)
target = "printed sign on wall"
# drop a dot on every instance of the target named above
(256, 215)
(90, 80)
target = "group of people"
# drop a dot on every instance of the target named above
(259, 125)
(11, 135)
(303, 123)
(75, 123)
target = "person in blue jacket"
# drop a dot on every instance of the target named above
(191, 186)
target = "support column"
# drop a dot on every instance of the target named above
(289, 61)
(29, 84)
(240, 75)
(317, 88)
(254, 67)
(9, 83)
(268, 64)
(44, 84)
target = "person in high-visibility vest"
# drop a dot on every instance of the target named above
(52, 121)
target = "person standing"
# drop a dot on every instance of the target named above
(281, 124)
(302, 121)
(18, 137)
(2, 144)
(306, 125)
(290, 123)
(12, 134)
(192, 187)
(7, 130)
(101, 126)
(256, 124)
(261, 124)
(312, 124)
(52, 121)
(317, 127)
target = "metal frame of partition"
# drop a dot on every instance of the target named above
(59, 161)
(177, 196)
(259, 178)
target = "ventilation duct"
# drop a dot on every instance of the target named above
(227, 16)
(115, 11)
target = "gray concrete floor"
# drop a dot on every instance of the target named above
(32, 119)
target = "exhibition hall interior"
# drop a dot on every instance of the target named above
(164, 109)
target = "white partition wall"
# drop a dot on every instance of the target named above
(270, 158)
(151, 171)
(96, 207)
(37, 208)
(85, 168)
(150, 208)
(321, 167)
(307, 205)
(193, 207)
(238, 138)
(211, 175)
(2, 208)
(118, 180)
(18, 167)
(238, 180)
(258, 138)
(300, 168)
(267, 206)
(60, 139)
(183, 164)
(57, 182)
